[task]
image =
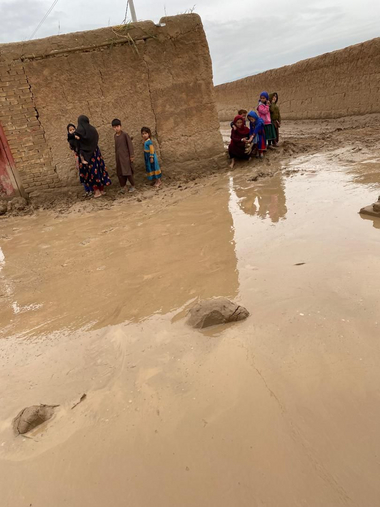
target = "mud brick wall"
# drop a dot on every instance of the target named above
(158, 76)
(24, 132)
(337, 84)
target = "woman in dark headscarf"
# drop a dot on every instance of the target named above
(93, 171)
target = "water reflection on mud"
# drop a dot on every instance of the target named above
(266, 198)
(115, 266)
(279, 410)
(375, 220)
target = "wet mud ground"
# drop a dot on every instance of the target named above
(279, 410)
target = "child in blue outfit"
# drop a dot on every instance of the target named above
(151, 162)
(257, 133)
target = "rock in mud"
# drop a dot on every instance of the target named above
(31, 417)
(3, 207)
(372, 210)
(211, 312)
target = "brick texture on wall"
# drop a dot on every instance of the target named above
(23, 129)
(333, 85)
(158, 76)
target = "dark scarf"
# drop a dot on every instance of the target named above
(271, 95)
(89, 137)
(274, 109)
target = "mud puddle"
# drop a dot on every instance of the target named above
(279, 410)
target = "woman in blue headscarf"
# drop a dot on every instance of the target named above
(257, 133)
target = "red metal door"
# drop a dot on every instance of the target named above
(10, 185)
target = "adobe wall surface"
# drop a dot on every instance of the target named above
(337, 84)
(144, 74)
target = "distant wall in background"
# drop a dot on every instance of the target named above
(158, 76)
(333, 85)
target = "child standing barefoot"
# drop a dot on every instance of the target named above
(275, 115)
(264, 113)
(151, 162)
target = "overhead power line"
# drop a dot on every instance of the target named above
(44, 18)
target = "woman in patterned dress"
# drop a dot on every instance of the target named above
(92, 169)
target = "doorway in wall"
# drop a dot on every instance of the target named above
(10, 183)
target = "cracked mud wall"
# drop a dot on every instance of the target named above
(333, 85)
(158, 76)
(23, 129)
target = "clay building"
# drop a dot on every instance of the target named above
(158, 76)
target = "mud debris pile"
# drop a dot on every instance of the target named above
(15, 205)
(372, 210)
(31, 417)
(212, 312)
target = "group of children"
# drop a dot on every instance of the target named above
(262, 131)
(83, 141)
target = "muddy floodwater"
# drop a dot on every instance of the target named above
(281, 410)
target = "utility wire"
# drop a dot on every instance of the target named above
(126, 13)
(44, 18)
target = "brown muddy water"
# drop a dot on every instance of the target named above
(280, 410)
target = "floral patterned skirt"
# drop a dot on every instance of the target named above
(94, 175)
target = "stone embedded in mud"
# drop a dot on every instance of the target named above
(211, 312)
(371, 210)
(3, 207)
(31, 417)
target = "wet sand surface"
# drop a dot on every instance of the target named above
(279, 410)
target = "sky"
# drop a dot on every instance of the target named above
(245, 36)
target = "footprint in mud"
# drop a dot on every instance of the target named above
(106, 231)
(85, 242)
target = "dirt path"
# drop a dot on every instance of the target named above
(279, 410)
